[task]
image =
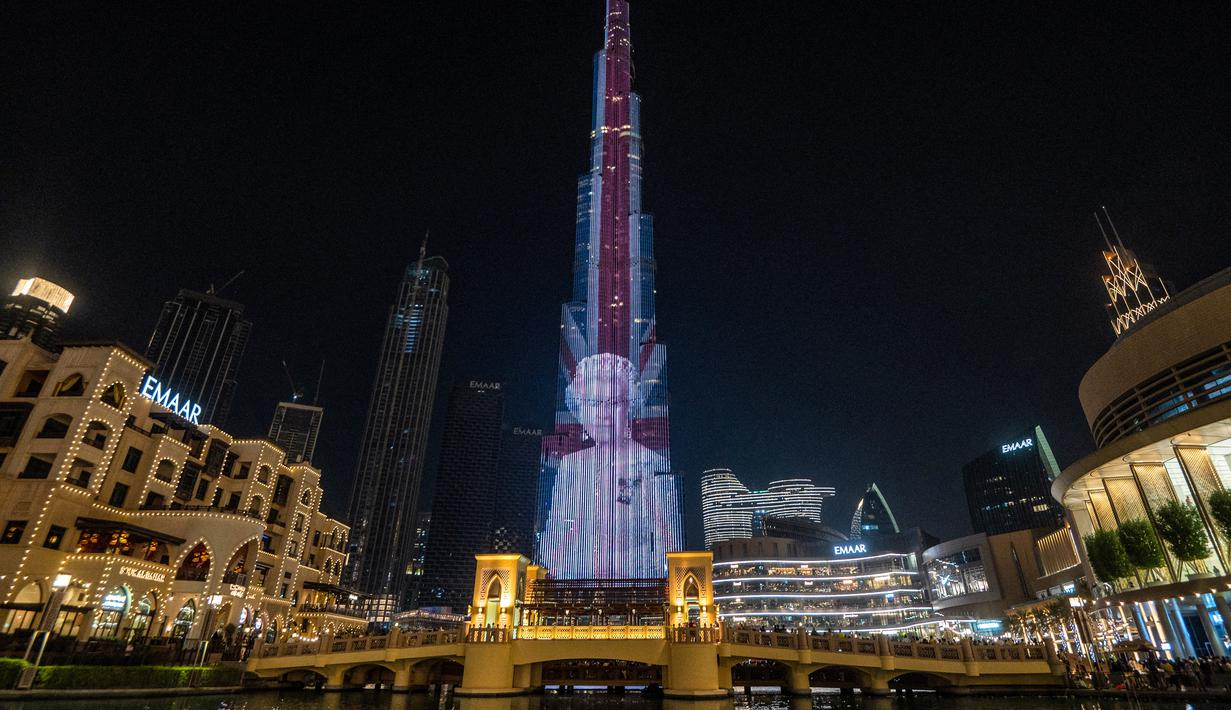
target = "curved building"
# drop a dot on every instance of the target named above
(729, 510)
(873, 515)
(1159, 406)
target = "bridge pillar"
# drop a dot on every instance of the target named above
(402, 677)
(335, 677)
(692, 672)
(799, 683)
(878, 683)
(968, 657)
(726, 677)
(488, 671)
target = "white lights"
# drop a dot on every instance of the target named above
(61, 581)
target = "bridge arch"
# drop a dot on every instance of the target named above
(306, 677)
(761, 672)
(361, 674)
(835, 676)
(920, 679)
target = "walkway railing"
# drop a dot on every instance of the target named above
(361, 643)
(872, 646)
(567, 633)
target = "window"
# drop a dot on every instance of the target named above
(39, 466)
(31, 383)
(262, 475)
(55, 535)
(13, 530)
(244, 468)
(165, 471)
(80, 473)
(282, 489)
(202, 487)
(56, 427)
(316, 539)
(154, 500)
(132, 459)
(113, 396)
(72, 386)
(118, 494)
(13, 417)
(96, 435)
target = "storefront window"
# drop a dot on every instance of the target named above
(957, 574)
(111, 611)
(183, 621)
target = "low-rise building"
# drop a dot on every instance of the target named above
(152, 525)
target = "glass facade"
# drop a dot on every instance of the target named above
(873, 515)
(609, 504)
(862, 592)
(1008, 488)
(957, 574)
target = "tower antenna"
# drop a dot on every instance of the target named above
(215, 291)
(320, 376)
(296, 393)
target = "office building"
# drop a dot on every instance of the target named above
(729, 510)
(599, 518)
(34, 310)
(389, 471)
(873, 516)
(1158, 403)
(196, 349)
(1007, 487)
(423, 529)
(294, 429)
(157, 528)
(513, 520)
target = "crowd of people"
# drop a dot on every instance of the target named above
(1153, 673)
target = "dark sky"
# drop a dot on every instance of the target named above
(876, 251)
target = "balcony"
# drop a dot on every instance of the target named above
(335, 609)
(192, 574)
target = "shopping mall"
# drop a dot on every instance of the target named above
(125, 520)
(1159, 406)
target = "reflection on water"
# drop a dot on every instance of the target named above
(309, 700)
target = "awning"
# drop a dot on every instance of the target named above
(113, 525)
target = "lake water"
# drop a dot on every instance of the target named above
(369, 700)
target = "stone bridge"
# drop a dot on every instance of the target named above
(687, 662)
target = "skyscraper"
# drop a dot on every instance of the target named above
(485, 491)
(384, 497)
(196, 349)
(1009, 487)
(34, 310)
(729, 510)
(609, 500)
(294, 429)
(873, 515)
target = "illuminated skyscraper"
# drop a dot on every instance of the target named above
(873, 515)
(196, 349)
(1009, 487)
(34, 310)
(294, 428)
(609, 501)
(385, 495)
(729, 510)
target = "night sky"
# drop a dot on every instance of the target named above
(877, 256)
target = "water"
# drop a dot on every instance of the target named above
(311, 700)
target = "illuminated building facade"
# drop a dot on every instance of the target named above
(1133, 289)
(609, 500)
(1158, 403)
(196, 349)
(873, 516)
(158, 523)
(294, 430)
(729, 510)
(855, 585)
(34, 310)
(385, 494)
(1007, 487)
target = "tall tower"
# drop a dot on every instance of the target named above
(384, 499)
(609, 503)
(1133, 288)
(34, 310)
(196, 349)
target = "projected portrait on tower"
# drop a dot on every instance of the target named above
(604, 517)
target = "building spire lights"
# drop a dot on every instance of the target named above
(1130, 296)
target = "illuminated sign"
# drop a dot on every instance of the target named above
(484, 385)
(114, 601)
(850, 549)
(153, 390)
(1016, 446)
(142, 574)
(518, 431)
(989, 625)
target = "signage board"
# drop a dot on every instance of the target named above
(1026, 443)
(154, 391)
(139, 573)
(857, 548)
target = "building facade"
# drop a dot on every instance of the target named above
(385, 494)
(196, 349)
(611, 430)
(855, 585)
(35, 310)
(729, 510)
(159, 526)
(1159, 406)
(294, 429)
(873, 516)
(1007, 487)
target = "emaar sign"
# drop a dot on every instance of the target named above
(855, 549)
(1017, 446)
(153, 390)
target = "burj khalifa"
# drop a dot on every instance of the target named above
(609, 501)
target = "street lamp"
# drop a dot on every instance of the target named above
(38, 640)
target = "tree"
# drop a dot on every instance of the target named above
(1141, 545)
(1181, 528)
(1219, 504)
(1107, 556)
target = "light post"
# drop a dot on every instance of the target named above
(38, 640)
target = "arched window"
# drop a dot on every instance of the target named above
(195, 567)
(96, 435)
(165, 471)
(262, 475)
(306, 498)
(258, 505)
(114, 395)
(72, 386)
(56, 427)
(183, 620)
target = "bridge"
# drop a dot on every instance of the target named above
(513, 646)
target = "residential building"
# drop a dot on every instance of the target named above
(35, 310)
(294, 429)
(729, 510)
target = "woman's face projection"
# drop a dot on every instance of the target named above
(602, 394)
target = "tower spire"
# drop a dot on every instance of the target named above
(1127, 282)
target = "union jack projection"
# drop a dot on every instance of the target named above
(609, 503)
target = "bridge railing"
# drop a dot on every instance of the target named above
(360, 643)
(876, 646)
(568, 633)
